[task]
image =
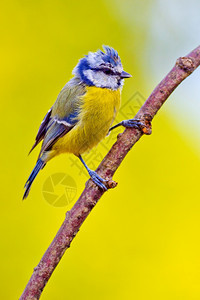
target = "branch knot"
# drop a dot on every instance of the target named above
(146, 120)
(186, 64)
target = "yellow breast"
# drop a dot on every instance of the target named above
(98, 110)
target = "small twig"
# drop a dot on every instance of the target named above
(74, 218)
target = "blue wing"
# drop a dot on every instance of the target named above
(42, 129)
(56, 129)
(62, 117)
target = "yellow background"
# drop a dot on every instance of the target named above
(142, 239)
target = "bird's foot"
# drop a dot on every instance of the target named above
(98, 180)
(142, 124)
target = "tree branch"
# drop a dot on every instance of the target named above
(75, 217)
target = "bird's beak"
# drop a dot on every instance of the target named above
(125, 75)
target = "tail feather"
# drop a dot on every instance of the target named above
(39, 165)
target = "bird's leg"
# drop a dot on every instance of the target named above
(131, 123)
(142, 124)
(94, 176)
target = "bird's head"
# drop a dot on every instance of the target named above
(101, 69)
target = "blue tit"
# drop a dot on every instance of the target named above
(83, 112)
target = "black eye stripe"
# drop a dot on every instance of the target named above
(110, 72)
(107, 71)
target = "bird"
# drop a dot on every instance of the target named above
(83, 112)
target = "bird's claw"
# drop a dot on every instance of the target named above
(132, 123)
(143, 125)
(98, 180)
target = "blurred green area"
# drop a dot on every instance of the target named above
(141, 240)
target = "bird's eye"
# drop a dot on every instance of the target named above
(108, 71)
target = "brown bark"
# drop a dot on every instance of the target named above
(75, 217)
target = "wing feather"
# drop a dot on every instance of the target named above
(42, 129)
(62, 117)
(55, 131)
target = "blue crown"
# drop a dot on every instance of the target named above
(93, 60)
(98, 61)
(110, 56)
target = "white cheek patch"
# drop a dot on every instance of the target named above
(111, 82)
(89, 74)
(100, 79)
